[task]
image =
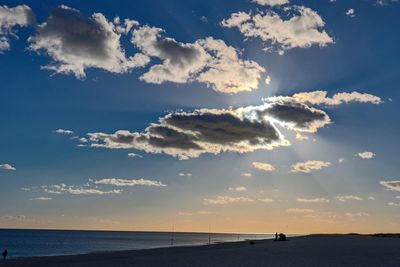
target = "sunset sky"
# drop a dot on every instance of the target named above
(234, 116)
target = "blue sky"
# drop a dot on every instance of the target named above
(50, 186)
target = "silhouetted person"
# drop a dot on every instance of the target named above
(276, 236)
(5, 253)
(282, 237)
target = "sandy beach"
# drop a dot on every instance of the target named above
(313, 250)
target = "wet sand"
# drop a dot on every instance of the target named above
(313, 250)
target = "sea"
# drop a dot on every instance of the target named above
(31, 243)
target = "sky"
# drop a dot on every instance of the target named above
(234, 116)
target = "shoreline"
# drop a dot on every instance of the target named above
(309, 250)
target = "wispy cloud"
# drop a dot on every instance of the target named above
(41, 198)
(266, 200)
(182, 174)
(223, 200)
(128, 182)
(309, 166)
(238, 189)
(366, 155)
(134, 155)
(7, 167)
(64, 131)
(348, 197)
(391, 185)
(77, 190)
(271, 3)
(321, 98)
(313, 200)
(246, 174)
(264, 166)
(393, 204)
(297, 210)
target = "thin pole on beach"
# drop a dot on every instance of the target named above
(172, 236)
(209, 234)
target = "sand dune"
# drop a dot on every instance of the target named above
(315, 250)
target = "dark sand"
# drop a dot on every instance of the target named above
(314, 250)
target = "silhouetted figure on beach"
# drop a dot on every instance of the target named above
(282, 237)
(276, 236)
(5, 253)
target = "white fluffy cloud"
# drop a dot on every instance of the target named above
(391, 185)
(223, 200)
(128, 182)
(206, 60)
(246, 174)
(366, 155)
(309, 166)
(301, 137)
(394, 204)
(238, 189)
(7, 167)
(351, 13)
(313, 200)
(134, 155)
(321, 98)
(271, 2)
(348, 197)
(302, 28)
(264, 166)
(76, 43)
(10, 18)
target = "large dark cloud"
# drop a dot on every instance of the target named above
(242, 130)
(75, 43)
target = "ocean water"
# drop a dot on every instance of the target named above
(27, 243)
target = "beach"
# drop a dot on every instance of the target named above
(312, 250)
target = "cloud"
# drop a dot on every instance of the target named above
(10, 18)
(76, 43)
(77, 190)
(351, 13)
(264, 166)
(223, 200)
(358, 214)
(246, 174)
(301, 137)
(182, 213)
(313, 200)
(348, 197)
(391, 185)
(303, 28)
(128, 182)
(296, 210)
(393, 204)
(206, 60)
(266, 200)
(271, 2)
(190, 134)
(340, 160)
(237, 129)
(41, 198)
(7, 167)
(238, 189)
(371, 198)
(64, 131)
(185, 174)
(133, 155)
(320, 98)
(309, 166)
(366, 155)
